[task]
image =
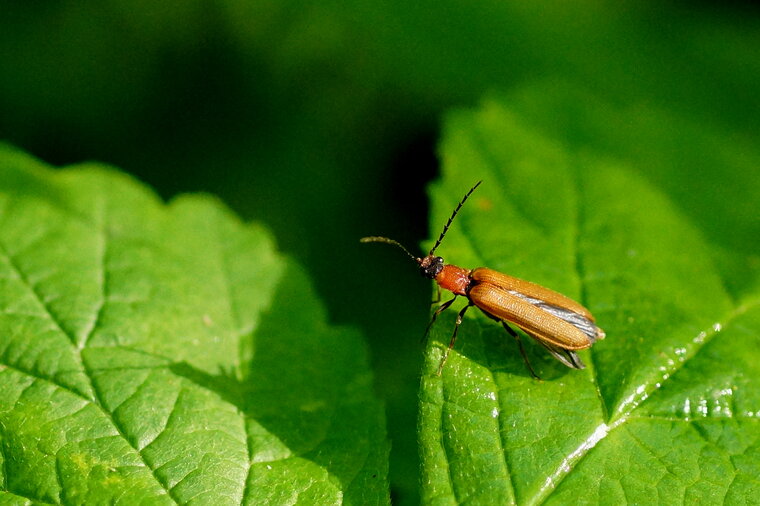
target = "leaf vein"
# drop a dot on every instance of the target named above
(36, 376)
(37, 296)
(240, 334)
(123, 434)
(492, 165)
(446, 452)
(227, 279)
(629, 405)
(103, 278)
(580, 272)
(502, 433)
(166, 425)
(249, 452)
(97, 396)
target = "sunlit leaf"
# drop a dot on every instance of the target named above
(668, 409)
(154, 353)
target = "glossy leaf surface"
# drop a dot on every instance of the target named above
(668, 410)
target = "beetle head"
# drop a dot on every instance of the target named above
(430, 266)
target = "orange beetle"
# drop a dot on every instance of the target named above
(559, 323)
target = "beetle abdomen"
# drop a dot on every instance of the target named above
(534, 320)
(533, 290)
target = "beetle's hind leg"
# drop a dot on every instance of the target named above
(454, 335)
(514, 334)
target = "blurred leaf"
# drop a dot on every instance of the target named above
(163, 354)
(668, 409)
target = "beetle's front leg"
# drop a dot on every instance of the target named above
(453, 336)
(443, 307)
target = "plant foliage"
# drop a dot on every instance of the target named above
(168, 354)
(668, 409)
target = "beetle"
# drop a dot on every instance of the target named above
(558, 323)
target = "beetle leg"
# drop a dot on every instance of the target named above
(437, 295)
(514, 334)
(453, 336)
(443, 307)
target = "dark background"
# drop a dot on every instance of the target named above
(321, 119)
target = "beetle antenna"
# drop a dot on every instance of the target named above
(375, 238)
(448, 223)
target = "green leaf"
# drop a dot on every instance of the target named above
(668, 409)
(155, 353)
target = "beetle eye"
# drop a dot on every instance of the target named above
(430, 267)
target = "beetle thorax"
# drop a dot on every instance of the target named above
(454, 279)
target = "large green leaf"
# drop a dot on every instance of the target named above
(167, 354)
(668, 409)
